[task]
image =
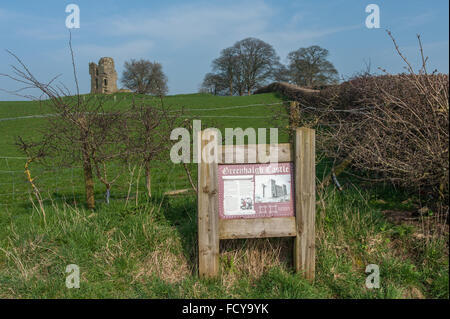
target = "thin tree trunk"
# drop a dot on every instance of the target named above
(35, 189)
(148, 179)
(336, 171)
(188, 172)
(88, 180)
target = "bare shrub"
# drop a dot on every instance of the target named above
(395, 126)
(403, 136)
(70, 134)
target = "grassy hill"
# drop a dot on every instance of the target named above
(146, 248)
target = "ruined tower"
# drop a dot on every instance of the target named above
(103, 76)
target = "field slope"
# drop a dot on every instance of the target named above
(146, 248)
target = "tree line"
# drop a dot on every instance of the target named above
(251, 63)
(240, 69)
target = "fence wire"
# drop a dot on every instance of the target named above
(67, 184)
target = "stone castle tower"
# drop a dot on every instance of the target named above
(103, 76)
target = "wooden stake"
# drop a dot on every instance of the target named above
(208, 212)
(305, 202)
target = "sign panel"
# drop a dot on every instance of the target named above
(256, 190)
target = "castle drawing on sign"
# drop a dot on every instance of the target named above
(272, 188)
(277, 190)
(103, 76)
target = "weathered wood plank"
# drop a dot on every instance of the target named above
(208, 213)
(257, 228)
(250, 153)
(185, 191)
(305, 201)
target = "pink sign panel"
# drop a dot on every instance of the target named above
(256, 190)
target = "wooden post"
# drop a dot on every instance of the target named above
(305, 201)
(208, 212)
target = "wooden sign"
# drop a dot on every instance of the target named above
(249, 199)
(256, 190)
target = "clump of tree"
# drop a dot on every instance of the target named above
(242, 68)
(144, 77)
(250, 63)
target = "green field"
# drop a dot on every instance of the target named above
(16, 120)
(146, 248)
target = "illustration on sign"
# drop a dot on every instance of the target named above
(256, 190)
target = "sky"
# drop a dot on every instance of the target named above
(185, 36)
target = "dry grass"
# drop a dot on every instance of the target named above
(251, 258)
(162, 263)
(238, 258)
(23, 256)
(413, 293)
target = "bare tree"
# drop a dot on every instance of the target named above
(109, 146)
(227, 65)
(257, 60)
(149, 128)
(281, 73)
(214, 84)
(244, 67)
(309, 67)
(144, 77)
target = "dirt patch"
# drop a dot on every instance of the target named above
(400, 216)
